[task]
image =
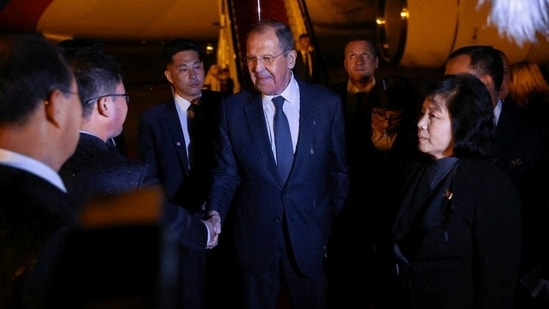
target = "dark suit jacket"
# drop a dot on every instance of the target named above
(246, 177)
(32, 213)
(471, 259)
(301, 71)
(519, 143)
(357, 121)
(521, 152)
(161, 145)
(95, 170)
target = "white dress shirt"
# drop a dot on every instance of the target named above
(497, 111)
(291, 109)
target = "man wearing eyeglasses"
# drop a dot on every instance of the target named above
(280, 175)
(95, 170)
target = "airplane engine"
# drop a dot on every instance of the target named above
(423, 33)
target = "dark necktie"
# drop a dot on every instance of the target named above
(283, 139)
(193, 123)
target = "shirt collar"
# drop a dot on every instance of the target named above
(33, 166)
(290, 93)
(497, 111)
(352, 89)
(182, 102)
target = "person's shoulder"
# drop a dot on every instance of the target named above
(317, 89)
(514, 111)
(156, 110)
(94, 160)
(243, 96)
(212, 96)
(525, 122)
(484, 172)
(339, 87)
(91, 154)
(93, 151)
(161, 106)
(478, 166)
(487, 180)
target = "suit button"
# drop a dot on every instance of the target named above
(277, 220)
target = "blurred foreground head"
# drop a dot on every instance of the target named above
(40, 108)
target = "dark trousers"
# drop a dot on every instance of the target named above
(192, 279)
(262, 291)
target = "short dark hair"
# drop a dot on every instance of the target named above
(485, 59)
(282, 31)
(470, 107)
(370, 41)
(30, 68)
(178, 45)
(97, 72)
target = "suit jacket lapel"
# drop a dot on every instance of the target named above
(174, 127)
(259, 134)
(307, 127)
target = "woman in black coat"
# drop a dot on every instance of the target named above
(457, 233)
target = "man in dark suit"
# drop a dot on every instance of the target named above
(360, 63)
(39, 122)
(519, 146)
(357, 91)
(282, 220)
(518, 142)
(97, 170)
(176, 139)
(308, 64)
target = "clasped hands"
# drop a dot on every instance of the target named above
(213, 223)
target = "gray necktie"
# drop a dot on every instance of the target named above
(283, 139)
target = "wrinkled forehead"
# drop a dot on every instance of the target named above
(359, 47)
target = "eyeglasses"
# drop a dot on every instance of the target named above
(382, 116)
(125, 95)
(267, 60)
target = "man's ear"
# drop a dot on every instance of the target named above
(52, 107)
(487, 80)
(103, 107)
(168, 75)
(292, 54)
